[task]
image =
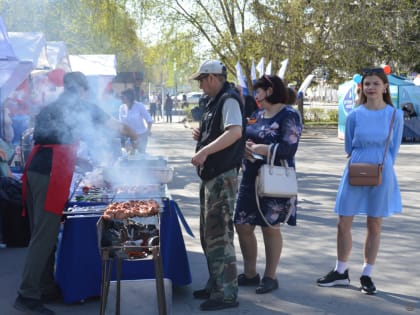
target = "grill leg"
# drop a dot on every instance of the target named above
(118, 298)
(106, 276)
(160, 287)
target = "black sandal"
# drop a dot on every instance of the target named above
(267, 285)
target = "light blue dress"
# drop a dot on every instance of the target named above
(365, 140)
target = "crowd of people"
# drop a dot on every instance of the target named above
(225, 144)
(236, 134)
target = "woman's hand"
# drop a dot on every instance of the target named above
(248, 150)
(258, 148)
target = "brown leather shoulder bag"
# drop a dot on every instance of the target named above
(365, 174)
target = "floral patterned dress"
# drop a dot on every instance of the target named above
(284, 128)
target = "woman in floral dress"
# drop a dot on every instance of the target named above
(275, 123)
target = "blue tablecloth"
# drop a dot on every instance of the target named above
(78, 269)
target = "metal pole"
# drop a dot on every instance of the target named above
(160, 287)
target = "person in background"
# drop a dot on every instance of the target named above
(409, 111)
(220, 146)
(7, 125)
(138, 119)
(184, 101)
(250, 105)
(122, 115)
(300, 104)
(6, 153)
(153, 105)
(46, 183)
(367, 128)
(110, 103)
(168, 108)
(159, 111)
(276, 123)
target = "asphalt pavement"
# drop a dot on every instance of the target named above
(309, 248)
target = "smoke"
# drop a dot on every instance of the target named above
(70, 119)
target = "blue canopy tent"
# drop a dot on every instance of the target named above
(402, 91)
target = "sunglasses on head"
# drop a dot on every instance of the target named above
(372, 70)
(268, 79)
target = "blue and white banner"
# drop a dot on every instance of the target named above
(283, 67)
(306, 83)
(260, 67)
(253, 72)
(241, 79)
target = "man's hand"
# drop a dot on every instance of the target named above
(200, 157)
(195, 133)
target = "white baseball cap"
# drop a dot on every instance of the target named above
(209, 66)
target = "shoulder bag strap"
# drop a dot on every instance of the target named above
(273, 156)
(257, 198)
(389, 136)
(270, 162)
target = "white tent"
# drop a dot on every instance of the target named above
(30, 47)
(94, 65)
(12, 74)
(58, 56)
(12, 71)
(6, 50)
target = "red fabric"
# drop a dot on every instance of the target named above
(64, 160)
(56, 76)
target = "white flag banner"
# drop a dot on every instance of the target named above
(306, 83)
(260, 67)
(268, 69)
(253, 72)
(283, 67)
(241, 78)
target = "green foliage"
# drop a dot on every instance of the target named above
(86, 26)
(333, 115)
(336, 37)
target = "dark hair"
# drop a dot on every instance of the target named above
(75, 81)
(129, 94)
(381, 75)
(292, 96)
(280, 91)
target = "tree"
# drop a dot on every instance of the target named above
(338, 37)
(86, 26)
(219, 24)
(332, 37)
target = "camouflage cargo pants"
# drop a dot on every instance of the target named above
(217, 199)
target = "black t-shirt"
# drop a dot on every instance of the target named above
(64, 121)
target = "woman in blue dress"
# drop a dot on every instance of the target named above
(367, 128)
(274, 123)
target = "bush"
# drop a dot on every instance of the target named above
(333, 114)
(320, 115)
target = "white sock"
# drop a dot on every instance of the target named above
(367, 269)
(340, 266)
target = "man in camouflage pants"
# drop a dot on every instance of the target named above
(220, 147)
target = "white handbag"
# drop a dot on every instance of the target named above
(276, 181)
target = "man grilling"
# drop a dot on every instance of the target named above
(46, 182)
